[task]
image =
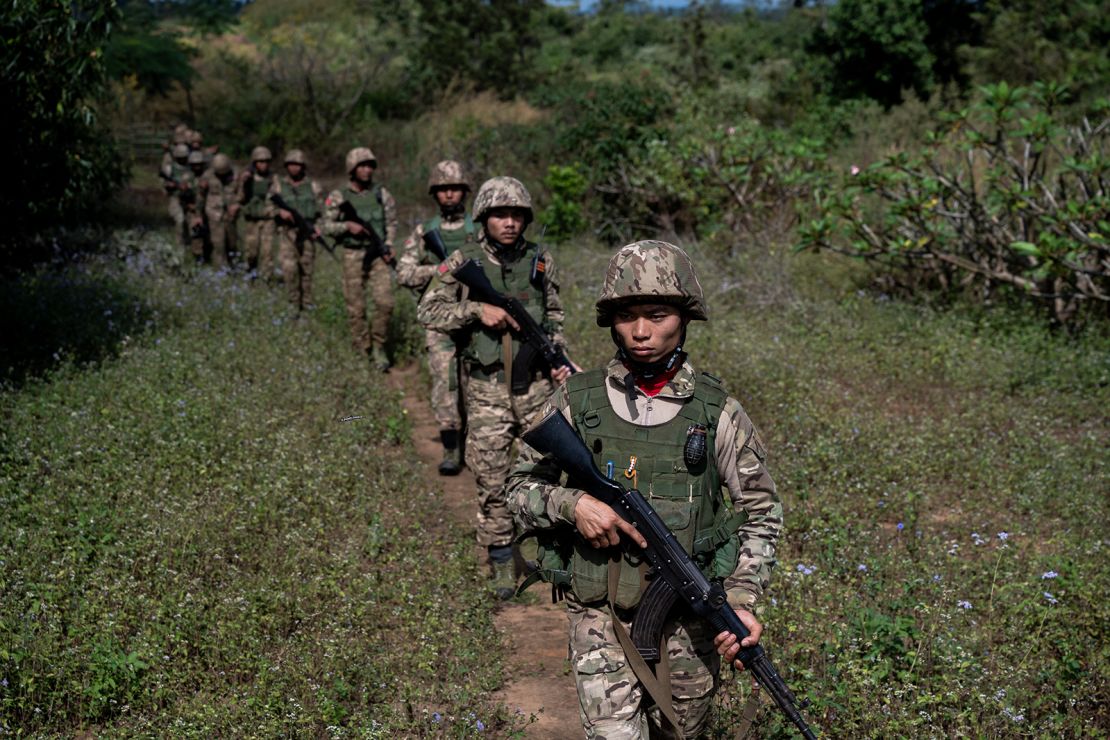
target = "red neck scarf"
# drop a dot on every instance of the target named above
(652, 387)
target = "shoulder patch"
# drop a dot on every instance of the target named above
(443, 268)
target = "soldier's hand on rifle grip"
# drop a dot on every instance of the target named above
(285, 215)
(497, 318)
(727, 644)
(601, 526)
(354, 228)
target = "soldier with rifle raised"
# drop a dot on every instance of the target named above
(363, 219)
(651, 621)
(492, 346)
(297, 200)
(427, 246)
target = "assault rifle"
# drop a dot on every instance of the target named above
(376, 247)
(170, 183)
(536, 344)
(305, 230)
(433, 242)
(673, 577)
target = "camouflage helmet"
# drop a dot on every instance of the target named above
(501, 192)
(195, 138)
(357, 156)
(261, 154)
(650, 271)
(296, 156)
(180, 151)
(447, 172)
(196, 157)
(221, 164)
(181, 134)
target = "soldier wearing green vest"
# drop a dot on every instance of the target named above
(192, 201)
(675, 434)
(448, 185)
(177, 178)
(217, 190)
(495, 414)
(257, 214)
(361, 267)
(296, 253)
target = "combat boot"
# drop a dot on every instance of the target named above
(379, 360)
(451, 464)
(503, 581)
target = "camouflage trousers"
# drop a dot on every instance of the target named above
(221, 236)
(298, 258)
(494, 420)
(258, 246)
(177, 213)
(356, 276)
(445, 385)
(609, 695)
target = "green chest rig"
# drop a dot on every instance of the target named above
(453, 239)
(687, 497)
(370, 207)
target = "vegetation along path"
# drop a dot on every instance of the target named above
(538, 684)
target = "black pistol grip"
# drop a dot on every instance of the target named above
(647, 627)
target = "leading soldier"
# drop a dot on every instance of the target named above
(258, 214)
(448, 185)
(176, 179)
(296, 250)
(495, 414)
(363, 261)
(682, 440)
(192, 202)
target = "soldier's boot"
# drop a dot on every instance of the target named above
(503, 581)
(451, 464)
(379, 359)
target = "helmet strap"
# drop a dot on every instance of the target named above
(453, 213)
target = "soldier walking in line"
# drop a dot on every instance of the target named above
(365, 261)
(176, 179)
(297, 252)
(495, 414)
(258, 214)
(218, 191)
(692, 450)
(448, 186)
(192, 201)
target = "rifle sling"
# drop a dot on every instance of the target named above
(507, 356)
(659, 690)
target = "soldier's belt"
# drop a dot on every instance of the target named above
(494, 372)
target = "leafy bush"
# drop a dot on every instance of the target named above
(1005, 194)
(563, 216)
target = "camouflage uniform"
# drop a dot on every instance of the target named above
(218, 192)
(296, 254)
(257, 214)
(609, 693)
(415, 269)
(495, 415)
(181, 178)
(375, 205)
(192, 205)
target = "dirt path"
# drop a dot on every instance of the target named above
(536, 633)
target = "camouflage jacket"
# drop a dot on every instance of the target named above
(537, 501)
(415, 268)
(444, 307)
(293, 195)
(333, 224)
(216, 194)
(256, 206)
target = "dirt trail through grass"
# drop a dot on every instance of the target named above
(534, 629)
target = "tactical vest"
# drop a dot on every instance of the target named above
(179, 172)
(687, 497)
(220, 195)
(368, 205)
(483, 345)
(255, 208)
(453, 239)
(302, 197)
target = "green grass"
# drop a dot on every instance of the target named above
(194, 544)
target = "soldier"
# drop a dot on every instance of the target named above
(180, 136)
(640, 415)
(221, 205)
(362, 262)
(296, 253)
(495, 415)
(176, 180)
(418, 265)
(192, 201)
(258, 214)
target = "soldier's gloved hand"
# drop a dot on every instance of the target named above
(727, 644)
(600, 525)
(497, 318)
